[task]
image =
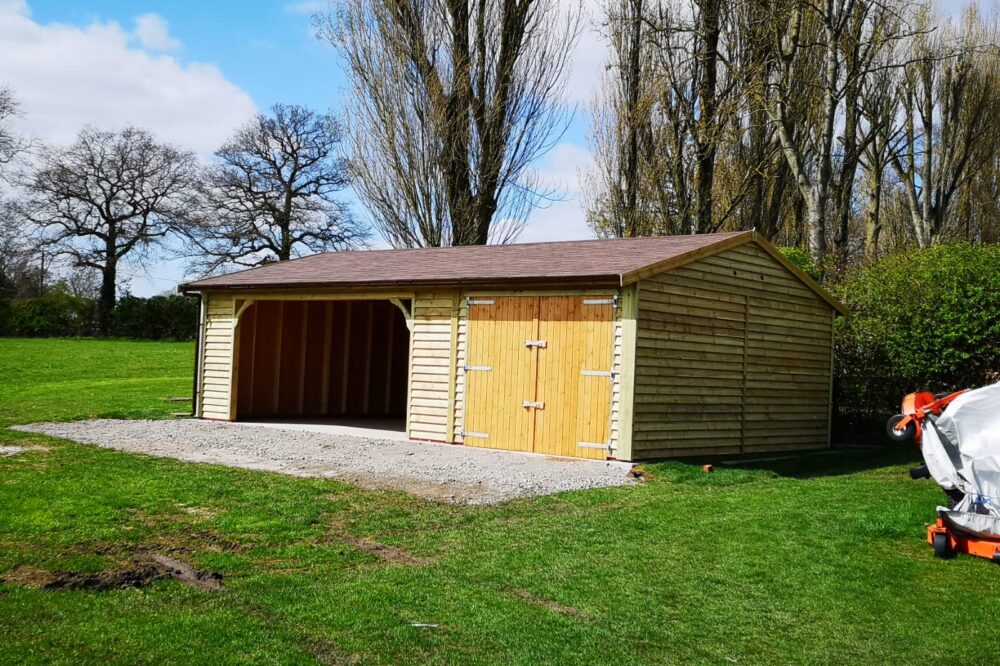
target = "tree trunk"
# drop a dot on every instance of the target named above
(709, 56)
(873, 221)
(106, 304)
(629, 222)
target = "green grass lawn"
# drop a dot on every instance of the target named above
(819, 559)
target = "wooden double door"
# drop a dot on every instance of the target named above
(539, 374)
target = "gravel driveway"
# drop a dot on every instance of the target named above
(458, 474)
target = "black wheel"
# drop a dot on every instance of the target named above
(941, 546)
(905, 435)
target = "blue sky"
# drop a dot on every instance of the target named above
(265, 48)
(193, 71)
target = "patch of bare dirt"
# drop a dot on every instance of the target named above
(640, 473)
(384, 552)
(133, 574)
(554, 606)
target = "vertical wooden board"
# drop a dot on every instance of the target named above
(244, 378)
(579, 337)
(339, 350)
(265, 374)
(496, 336)
(379, 321)
(290, 370)
(627, 371)
(316, 350)
(400, 363)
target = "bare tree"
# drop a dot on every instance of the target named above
(108, 198)
(674, 97)
(452, 102)
(843, 37)
(621, 130)
(271, 194)
(950, 96)
(10, 143)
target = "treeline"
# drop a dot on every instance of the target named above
(115, 198)
(849, 128)
(58, 313)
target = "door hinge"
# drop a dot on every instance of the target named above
(478, 435)
(597, 373)
(600, 301)
(541, 344)
(479, 301)
(478, 368)
(533, 405)
(593, 445)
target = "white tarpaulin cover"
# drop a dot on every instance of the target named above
(962, 451)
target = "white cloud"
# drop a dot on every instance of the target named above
(152, 33)
(564, 219)
(68, 76)
(591, 54)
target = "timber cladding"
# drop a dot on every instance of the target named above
(710, 345)
(733, 355)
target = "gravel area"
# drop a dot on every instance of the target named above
(458, 474)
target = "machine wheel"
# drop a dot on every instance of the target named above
(941, 546)
(906, 435)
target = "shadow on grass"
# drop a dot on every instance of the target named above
(732, 470)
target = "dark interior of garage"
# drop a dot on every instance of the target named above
(322, 359)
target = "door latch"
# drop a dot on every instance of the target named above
(541, 344)
(533, 405)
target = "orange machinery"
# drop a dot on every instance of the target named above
(943, 536)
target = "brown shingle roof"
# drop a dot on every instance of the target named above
(597, 261)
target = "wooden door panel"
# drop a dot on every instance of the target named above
(500, 372)
(574, 380)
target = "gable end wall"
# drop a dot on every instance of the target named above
(733, 355)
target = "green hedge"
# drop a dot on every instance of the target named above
(158, 318)
(921, 319)
(59, 314)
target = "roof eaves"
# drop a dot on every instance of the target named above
(607, 279)
(679, 260)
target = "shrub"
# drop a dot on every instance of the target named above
(158, 318)
(920, 319)
(801, 260)
(56, 314)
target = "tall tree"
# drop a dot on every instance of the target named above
(621, 129)
(272, 193)
(950, 95)
(844, 38)
(670, 102)
(452, 102)
(108, 198)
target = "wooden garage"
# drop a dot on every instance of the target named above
(629, 349)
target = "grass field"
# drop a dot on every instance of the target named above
(819, 559)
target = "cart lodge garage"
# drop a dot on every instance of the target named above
(628, 349)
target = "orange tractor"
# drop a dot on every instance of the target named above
(958, 435)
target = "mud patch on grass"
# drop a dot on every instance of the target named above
(554, 606)
(384, 552)
(133, 574)
(640, 473)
